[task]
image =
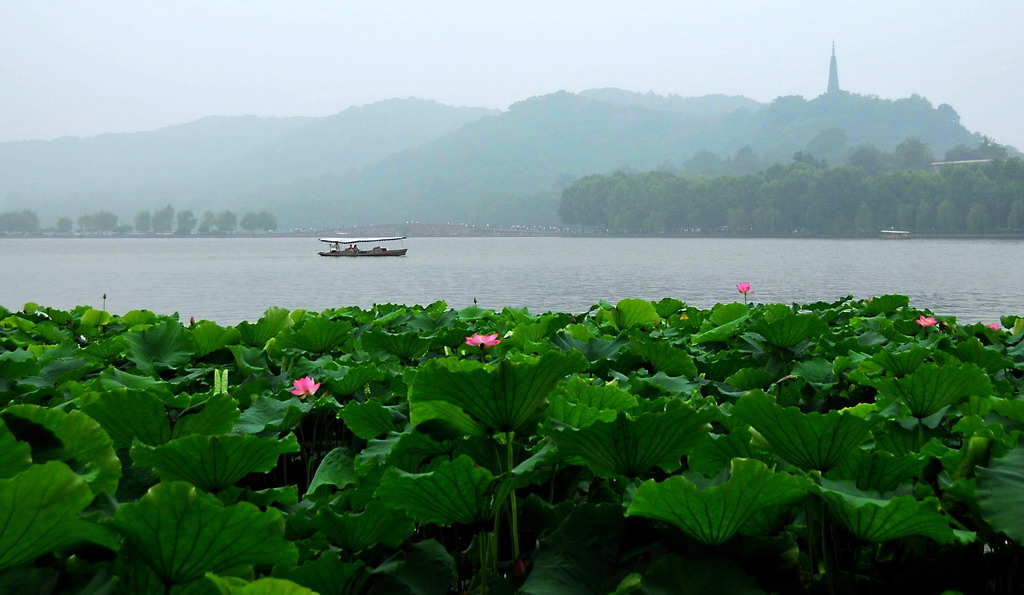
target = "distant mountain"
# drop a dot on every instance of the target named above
(419, 160)
(489, 170)
(214, 160)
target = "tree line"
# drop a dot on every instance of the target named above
(804, 197)
(160, 221)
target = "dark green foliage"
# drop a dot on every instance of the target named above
(636, 448)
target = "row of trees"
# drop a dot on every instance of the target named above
(166, 220)
(830, 146)
(161, 221)
(805, 198)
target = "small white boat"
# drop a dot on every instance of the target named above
(894, 234)
(352, 247)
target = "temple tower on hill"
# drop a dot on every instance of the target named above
(833, 72)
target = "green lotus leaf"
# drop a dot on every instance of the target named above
(902, 362)
(931, 388)
(713, 456)
(316, 335)
(274, 320)
(594, 349)
(875, 520)
(336, 469)
(714, 514)
(406, 451)
(328, 574)
(42, 503)
(368, 420)
(15, 456)
(107, 349)
(456, 491)
(751, 378)
(579, 403)
(209, 337)
(972, 351)
(423, 568)
(270, 414)
(878, 470)
(179, 534)
(356, 531)
(575, 415)
(783, 328)
(663, 357)
(575, 557)
(113, 378)
(129, 415)
(503, 396)
(159, 347)
(723, 323)
(405, 346)
(885, 304)
(17, 364)
(674, 574)
(229, 585)
(817, 371)
(72, 437)
(216, 415)
(807, 440)
(633, 313)
(93, 318)
(213, 463)
(134, 318)
(1001, 494)
(249, 360)
(631, 447)
(347, 380)
(443, 420)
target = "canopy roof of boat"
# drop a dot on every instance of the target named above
(358, 240)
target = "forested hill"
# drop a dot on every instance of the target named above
(512, 167)
(419, 160)
(806, 199)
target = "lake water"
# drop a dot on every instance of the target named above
(233, 279)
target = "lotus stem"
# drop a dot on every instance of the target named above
(512, 499)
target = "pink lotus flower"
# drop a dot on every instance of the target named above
(994, 326)
(304, 387)
(484, 341)
(926, 320)
(743, 288)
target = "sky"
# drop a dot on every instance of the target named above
(86, 67)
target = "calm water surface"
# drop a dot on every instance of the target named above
(233, 279)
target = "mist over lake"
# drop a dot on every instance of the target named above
(233, 279)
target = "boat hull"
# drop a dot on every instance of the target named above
(354, 254)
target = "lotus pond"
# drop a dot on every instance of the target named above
(859, 446)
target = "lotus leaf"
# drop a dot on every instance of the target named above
(316, 335)
(129, 415)
(633, 313)
(216, 415)
(405, 346)
(932, 388)
(229, 585)
(663, 357)
(885, 304)
(354, 532)
(336, 470)
(270, 414)
(876, 520)
(783, 328)
(368, 420)
(424, 568)
(72, 437)
(178, 534)
(714, 514)
(328, 574)
(15, 456)
(503, 396)
(455, 492)
(213, 463)
(160, 347)
(807, 440)
(1001, 494)
(257, 335)
(209, 337)
(41, 507)
(630, 447)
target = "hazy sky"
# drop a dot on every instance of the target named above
(85, 67)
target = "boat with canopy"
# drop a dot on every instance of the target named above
(361, 246)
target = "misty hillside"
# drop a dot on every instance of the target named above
(489, 171)
(215, 158)
(420, 160)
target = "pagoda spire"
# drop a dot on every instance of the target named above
(833, 72)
